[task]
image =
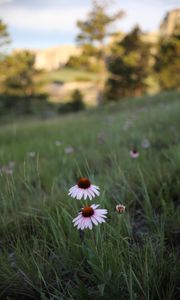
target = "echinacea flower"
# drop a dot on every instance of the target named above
(120, 208)
(89, 216)
(85, 189)
(134, 153)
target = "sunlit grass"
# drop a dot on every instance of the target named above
(67, 75)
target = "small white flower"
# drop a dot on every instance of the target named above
(145, 144)
(120, 208)
(6, 170)
(69, 150)
(84, 189)
(58, 143)
(101, 137)
(11, 164)
(31, 154)
(89, 216)
(134, 153)
(127, 125)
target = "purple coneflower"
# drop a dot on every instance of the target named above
(89, 216)
(85, 189)
(134, 153)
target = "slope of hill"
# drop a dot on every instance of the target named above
(134, 255)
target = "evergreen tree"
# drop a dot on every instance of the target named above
(167, 62)
(19, 79)
(93, 33)
(19, 87)
(4, 37)
(128, 66)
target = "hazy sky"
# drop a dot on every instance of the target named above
(45, 23)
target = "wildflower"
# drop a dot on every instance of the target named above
(85, 189)
(6, 170)
(69, 150)
(58, 143)
(120, 208)
(127, 125)
(134, 153)
(31, 154)
(101, 137)
(89, 216)
(11, 164)
(145, 143)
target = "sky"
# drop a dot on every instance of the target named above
(47, 23)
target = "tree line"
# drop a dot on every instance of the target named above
(125, 65)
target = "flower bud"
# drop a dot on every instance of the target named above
(120, 208)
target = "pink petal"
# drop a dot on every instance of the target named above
(80, 224)
(73, 187)
(80, 194)
(77, 218)
(94, 220)
(83, 223)
(89, 195)
(95, 186)
(87, 222)
(77, 222)
(94, 206)
(91, 192)
(90, 225)
(97, 193)
(101, 211)
(75, 192)
(85, 194)
(99, 219)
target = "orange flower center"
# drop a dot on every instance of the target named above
(87, 211)
(84, 183)
(134, 151)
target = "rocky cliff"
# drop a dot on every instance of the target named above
(55, 57)
(169, 23)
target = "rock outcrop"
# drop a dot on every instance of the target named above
(171, 20)
(53, 58)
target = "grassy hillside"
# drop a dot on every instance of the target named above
(134, 255)
(67, 75)
(60, 84)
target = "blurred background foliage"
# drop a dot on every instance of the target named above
(118, 65)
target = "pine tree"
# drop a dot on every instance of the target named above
(4, 37)
(128, 66)
(167, 64)
(92, 37)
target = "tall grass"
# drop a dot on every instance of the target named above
(132, 256)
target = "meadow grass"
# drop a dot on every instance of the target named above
(66, 75)
(134, 255)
